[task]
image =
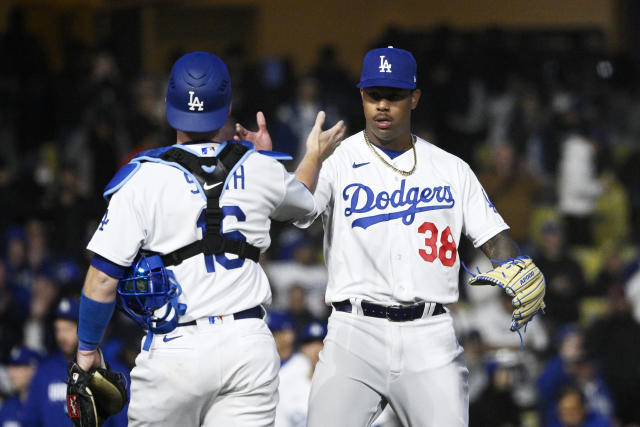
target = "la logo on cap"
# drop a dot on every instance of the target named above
(194, 102)
(385, 66)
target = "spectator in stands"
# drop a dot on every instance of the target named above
(511, 189)
(296, 117)
(614, 272)
(564, 276)
(335, 82)
(13, 313)
(613, 340)
(15, 256)
(573, 412)
(44, 293)
(298, 265)
(295, 377)
(46, 402)
(70, 207)
(578, 186)
(497, 394)
(297, 309)
(38, 253)
(574, 366)
(281, 326)
(475, 355)
(22, 364)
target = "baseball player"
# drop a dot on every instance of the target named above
(394, 207)
(208, 221)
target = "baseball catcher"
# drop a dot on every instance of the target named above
(94, 396)
(523, 281)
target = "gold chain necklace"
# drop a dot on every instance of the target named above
(395, 169)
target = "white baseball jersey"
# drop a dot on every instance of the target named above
(160, 209)
(379, 221)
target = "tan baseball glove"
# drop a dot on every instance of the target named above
(523, 281)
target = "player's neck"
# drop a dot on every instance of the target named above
(401, 143)
(187, 137)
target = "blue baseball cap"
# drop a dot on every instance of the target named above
(68, 308)
(313, 331)
(279, 321)
(199, 93)
(24, 356)
(389, 67)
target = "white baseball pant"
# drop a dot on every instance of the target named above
(416, 366)
(221, 374)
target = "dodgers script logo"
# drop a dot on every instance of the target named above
(385, 67)
(361, 199)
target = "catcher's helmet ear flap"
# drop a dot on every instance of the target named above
(199, 93)
(148, 289)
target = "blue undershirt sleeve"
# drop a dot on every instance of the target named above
(108, 267)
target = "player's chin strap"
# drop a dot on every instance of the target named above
(211, 174)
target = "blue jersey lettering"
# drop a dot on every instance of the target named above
(361, 199)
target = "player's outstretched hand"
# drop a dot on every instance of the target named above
(322, 143)
(261, 138)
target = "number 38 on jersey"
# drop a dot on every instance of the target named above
(438, 244)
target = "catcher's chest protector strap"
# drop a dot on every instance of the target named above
(211, 173)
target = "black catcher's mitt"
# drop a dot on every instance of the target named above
(94, 396)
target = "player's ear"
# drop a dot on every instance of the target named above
(415, 97)
(362, 94)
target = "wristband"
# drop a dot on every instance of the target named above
(83, 345)
(93, 320)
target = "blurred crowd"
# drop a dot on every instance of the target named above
(549, 121)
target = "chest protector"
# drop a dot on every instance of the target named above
(210, 174)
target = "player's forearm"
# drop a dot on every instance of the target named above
(500, 247)
(99, 286)
(308, 171)
(96, 308)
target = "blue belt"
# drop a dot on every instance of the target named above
(251, 313)
(394, 313)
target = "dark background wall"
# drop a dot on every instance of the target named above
(154, 29)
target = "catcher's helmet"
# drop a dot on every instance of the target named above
(149, 295)
(199, 93)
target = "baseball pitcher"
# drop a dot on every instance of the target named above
(394, 208)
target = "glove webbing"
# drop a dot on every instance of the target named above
(209, 170)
